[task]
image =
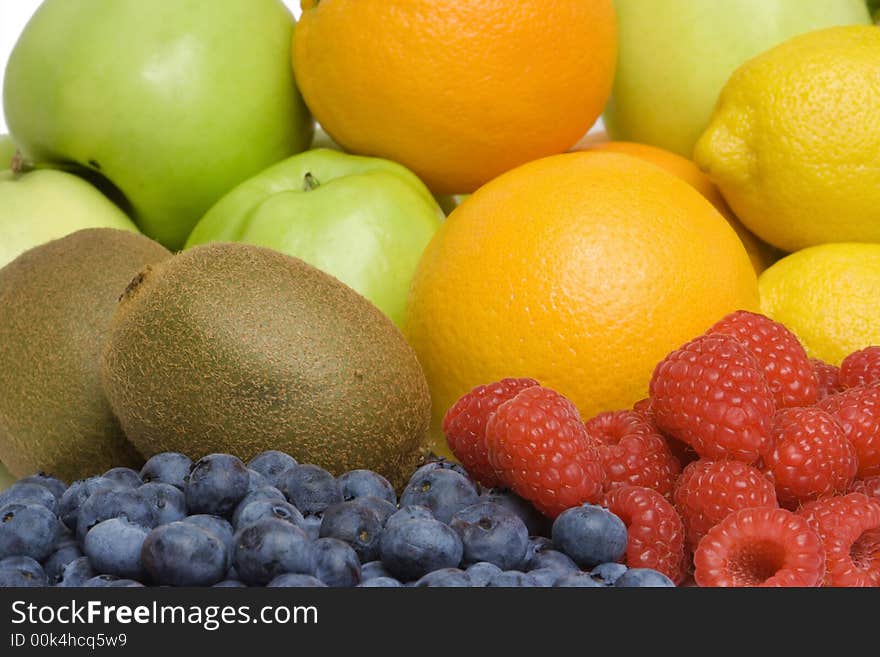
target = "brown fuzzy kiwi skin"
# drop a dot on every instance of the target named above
(239, 349)
(56, 303)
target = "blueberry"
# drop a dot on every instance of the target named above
(336, 563)
(491, 532)
(271, 464)
(537, 523)
(256, 480)
(357, 524)
(115, 503)
(309, 488)
(440, 463)
(230, 584)
(77, 573)
(168, 501)
(590, 535)
(546, 577)
(412, 549)
(54, 484)
(184, 554)
(481, 573)
(537, 544)
(441, 490)
(167, 468)
(58, 560)
(65, 538)
(215, 525)
(216, 484)
(380, 583)
(100, 582)
(558, 561)
(409, 513)
(579, 579)
(12, 578)
(608, 573)
(261, 493)
(361, 483)
(260, 509)
(114, 547)
(124, 584)
(79, 492)
(295, 581)
(445, 578)
(21, 571)
(124, 476)
(28, 530)
(554, 559)
(383, 508)
(373, 569)
(643, 577)
(269, 548)
(512, 579)
(29, 493)
(311, 525)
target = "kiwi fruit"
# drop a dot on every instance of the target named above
(6, 478)
(239, 349)
(57, 300)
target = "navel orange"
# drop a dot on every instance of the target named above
(580, 270)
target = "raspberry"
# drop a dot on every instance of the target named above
(811, 456)
(861, 368)
(712, 394)
(709, 491)
(643, 408)
(633, 452)
(779, 354)
(655, 532)
(682, 452)
(539, 446)
(827, 378)
(869, 486)
(857, 410)
(465, 425)
(849, 527)
(760, 546)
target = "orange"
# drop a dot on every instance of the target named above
(760, 253)
(459, 92)
(580, 270)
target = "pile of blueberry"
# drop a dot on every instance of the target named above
(277, 523)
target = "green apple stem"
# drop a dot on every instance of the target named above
(310, 182)
(17, 164)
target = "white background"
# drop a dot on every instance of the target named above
(13, 16)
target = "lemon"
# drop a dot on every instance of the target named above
(794, 141)
(827, 295)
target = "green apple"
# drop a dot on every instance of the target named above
(174, 102)
(364, 220)
(447, 202)
(674, 56)
(7, 152)
(43, 205)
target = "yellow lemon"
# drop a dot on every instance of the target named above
(827, 295)
(794, 142)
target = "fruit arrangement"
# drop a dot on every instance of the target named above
(366, 296)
